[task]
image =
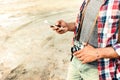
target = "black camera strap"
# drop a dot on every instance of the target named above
(81, 19)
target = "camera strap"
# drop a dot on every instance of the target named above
(81, 18)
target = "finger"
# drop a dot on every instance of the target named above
(60, 32)
(77, 52)
(58, 25)
(83, 62)
(59, 22)
(55, 28)
(79, 55)
(81, 58)
(86, 60)
(61, 29)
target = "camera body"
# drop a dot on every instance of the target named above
(77, 46)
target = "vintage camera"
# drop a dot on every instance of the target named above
(77, 46)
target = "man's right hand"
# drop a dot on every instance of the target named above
(60, 27)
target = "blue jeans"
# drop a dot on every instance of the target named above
(79, 71)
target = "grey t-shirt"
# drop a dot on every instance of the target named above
(90, 16)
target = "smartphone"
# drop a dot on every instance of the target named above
(50, 24)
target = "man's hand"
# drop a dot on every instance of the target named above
(61, 27)
(87, 54)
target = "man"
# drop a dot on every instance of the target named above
(102, 50)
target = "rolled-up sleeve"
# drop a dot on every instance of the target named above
(116, 47)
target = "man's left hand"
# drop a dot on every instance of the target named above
(87, 54)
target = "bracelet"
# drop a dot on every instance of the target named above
(98, 56)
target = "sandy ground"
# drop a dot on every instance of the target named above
(29, 49)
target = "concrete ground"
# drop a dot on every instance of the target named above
(30, 50)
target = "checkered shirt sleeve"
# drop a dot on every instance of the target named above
(109, 16)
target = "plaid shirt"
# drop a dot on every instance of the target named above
(107, 22)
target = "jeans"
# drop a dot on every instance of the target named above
(79, 71)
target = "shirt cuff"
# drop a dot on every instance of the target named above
(116, 47)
